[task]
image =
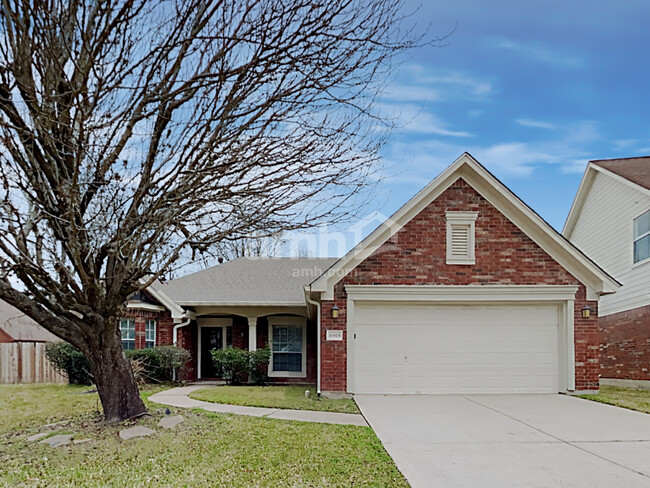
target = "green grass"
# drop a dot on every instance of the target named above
(292, 397)
(622, 397)
(207, 449)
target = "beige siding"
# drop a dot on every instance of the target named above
(25, 362)
(603, 231)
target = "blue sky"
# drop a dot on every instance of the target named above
(532, 89)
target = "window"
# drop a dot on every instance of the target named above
(460, 237)
(150, 333)
(288, 355)
(127, 329)
(642, 237)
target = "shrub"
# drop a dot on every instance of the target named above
(67, 358)
(160, 363)
(171, 359)
(148, 364)
(234, 364)
(258, 365)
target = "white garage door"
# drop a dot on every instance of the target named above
(424, 348)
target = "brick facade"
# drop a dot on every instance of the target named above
(625, 348)
(188, 339)
(416, 255)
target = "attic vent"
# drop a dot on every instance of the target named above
(460, 237)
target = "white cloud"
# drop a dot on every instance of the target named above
(570, 152)
(535, 123)
(542, 52)
(417, 120)
(419, 84)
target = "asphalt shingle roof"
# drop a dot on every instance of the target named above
(637, 170)
(22, 328)
(249, 281)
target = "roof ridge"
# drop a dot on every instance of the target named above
(619, 159)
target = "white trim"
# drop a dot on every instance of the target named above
(243, 304)
(461, 293)
(499, 196)
(215, 322)
(638, 238)
(562, 295)
(585, 186)
(155, 332)
(465, 219)
(277, 320)
(252, 333)
(175, 309)
(145, 306)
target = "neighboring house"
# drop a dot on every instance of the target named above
(15, 326)
(465, 289)
(610, 222)
(22, 349)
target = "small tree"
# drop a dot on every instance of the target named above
(135, 134)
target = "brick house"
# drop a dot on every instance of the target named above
(610, 222)
(465, 289)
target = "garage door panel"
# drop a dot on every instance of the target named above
(455, 349)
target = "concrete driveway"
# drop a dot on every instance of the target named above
(522, 441)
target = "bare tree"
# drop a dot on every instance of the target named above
(136, 133)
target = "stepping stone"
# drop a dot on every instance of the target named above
(81, 441)
(170, 422)
(35, 437)
(57, 440)
(138, 431)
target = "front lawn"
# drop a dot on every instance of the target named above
(292, 397)
(207, 449)
(622, 397)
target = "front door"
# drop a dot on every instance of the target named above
(211, 338)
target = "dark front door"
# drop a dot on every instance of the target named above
(211, 338)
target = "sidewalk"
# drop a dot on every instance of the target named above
(178, 397)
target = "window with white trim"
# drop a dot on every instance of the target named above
(288, 346)
(127, 330)
(642, 237)
(150, 334)
(460, 237)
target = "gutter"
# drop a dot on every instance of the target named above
(318, 334)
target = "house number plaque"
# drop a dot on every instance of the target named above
(334, 335)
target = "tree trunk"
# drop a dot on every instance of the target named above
(116, 385)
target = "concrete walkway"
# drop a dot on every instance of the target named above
(178, 397)
(511, 441)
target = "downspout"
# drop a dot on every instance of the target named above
(175, 330)
(318, 334)
(175, 338)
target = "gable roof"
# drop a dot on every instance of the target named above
(248, 281)
(633, 172)
(22, 328)
(497, 194)
(636, 170)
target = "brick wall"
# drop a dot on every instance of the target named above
(625, 349)
(417, 255)
(164, 326)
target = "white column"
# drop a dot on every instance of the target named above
(252, 333)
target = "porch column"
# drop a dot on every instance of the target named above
(252, 333)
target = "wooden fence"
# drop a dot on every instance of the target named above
(25, 362)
